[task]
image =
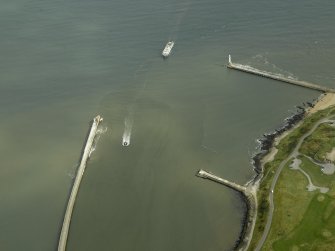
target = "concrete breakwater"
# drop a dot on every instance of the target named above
(86, 154)
(270, 75)
(249, 196)
(207, 175)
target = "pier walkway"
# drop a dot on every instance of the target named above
(68, 213)
(274, 76)
(207, 175)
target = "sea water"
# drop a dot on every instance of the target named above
(64, 62)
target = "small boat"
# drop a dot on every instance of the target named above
(168, 48)
(126, 141)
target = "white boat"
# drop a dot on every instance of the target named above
(125, 143)
(128, 124)
(168, 48)
(126, 139)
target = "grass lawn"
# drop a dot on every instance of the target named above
(319, 143)
(316, 231)
(292, 201)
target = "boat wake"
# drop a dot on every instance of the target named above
(262, 72)
(128, 125)
(182, 9)
(262, 60)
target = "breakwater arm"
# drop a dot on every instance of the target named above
(277, 77)
(68, 213)
(207, 175)
(249, 195)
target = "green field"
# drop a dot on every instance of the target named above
(290, 196)
(302, 220)
(319, 143)
(316, 230)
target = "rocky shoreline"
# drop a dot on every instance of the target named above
(243, 241)
(265, 145)
(268, 139)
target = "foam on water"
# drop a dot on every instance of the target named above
(101, 130)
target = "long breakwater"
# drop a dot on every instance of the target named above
(86, 154)
(248, 69)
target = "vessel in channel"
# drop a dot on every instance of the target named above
(168, 48)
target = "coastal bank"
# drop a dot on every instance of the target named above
(274, 148)
(253, 193)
